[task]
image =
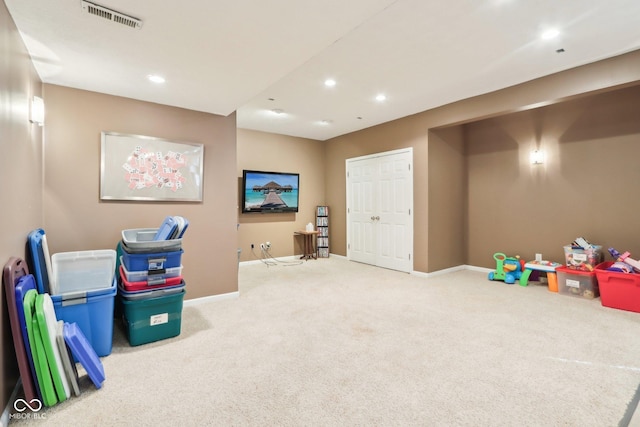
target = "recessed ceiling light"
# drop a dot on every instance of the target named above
(326, 122)
(277, 111)
(550, 34)
(381, 97)
(155, 78)
(329, 83)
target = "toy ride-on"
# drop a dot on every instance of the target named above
(508, 269)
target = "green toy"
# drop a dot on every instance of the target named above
(508, 269)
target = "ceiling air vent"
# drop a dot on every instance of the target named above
(111, 15)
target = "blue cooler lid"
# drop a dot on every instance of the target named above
(84, 353)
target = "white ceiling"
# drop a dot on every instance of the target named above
(236, 55)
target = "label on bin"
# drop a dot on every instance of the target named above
(156, 264)
(159, 319)
(580, 257)
(573, 283)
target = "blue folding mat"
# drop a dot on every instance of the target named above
(83, 351)
(183, 223)
(167, 229)
(173, 227)
(25, 284)
(13, 270)
(38, 248)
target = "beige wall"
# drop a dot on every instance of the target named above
(279, 153)
(75, 217)
(584, 189)
(20, 173)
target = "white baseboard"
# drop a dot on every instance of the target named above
(259, 261)
(480, 269)
(285, 258)
(451, 270)
(211, 298)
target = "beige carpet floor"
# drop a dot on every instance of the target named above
(336, 343)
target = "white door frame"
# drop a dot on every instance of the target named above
(410, 225)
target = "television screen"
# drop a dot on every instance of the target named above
(269, 191)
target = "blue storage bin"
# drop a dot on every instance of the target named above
(156, 262)
(93, 312)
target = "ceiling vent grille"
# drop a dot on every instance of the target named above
(111, 15)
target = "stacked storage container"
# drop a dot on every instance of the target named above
(578, 277)
(151, 288)
(82, 286)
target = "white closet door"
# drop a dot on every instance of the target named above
(379, 210)
(361, 240)
(395, 226)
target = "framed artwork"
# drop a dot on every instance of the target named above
(144, 168)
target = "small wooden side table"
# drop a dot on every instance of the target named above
(309, 248)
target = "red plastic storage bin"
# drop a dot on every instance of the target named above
(159, 282)
(618, 290)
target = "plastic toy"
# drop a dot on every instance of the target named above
(624, 263)
(508, 269)
(582, 255)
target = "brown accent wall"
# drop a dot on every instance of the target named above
(20, 173)
(474, 192)
(75, 217)
(279, 153)
(407, 132)
(584, 189)
(438, 163)
(447, 198)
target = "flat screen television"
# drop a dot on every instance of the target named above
(269, 192)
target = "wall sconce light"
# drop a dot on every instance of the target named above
(536, 157)
(37, 111)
